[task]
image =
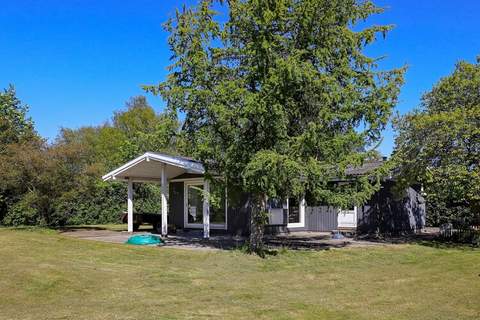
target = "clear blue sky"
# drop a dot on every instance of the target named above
(74, 62)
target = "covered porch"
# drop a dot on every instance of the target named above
(162, 169)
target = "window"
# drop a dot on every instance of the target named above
(275, 204)
(296, 213)
(293, 211)
(193, 214)
(195, 203)
(276, 211)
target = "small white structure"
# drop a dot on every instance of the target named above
(160, 168)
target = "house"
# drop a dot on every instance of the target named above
(184, 206)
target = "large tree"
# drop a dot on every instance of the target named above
(279, 97)
(15, 125)
(439, 145)
(144, 130)
(16, 129)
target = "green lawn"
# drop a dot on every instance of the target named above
(44, 275)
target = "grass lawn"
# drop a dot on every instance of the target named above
(44, 275)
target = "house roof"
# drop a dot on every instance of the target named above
(365, 168)
(148, 167)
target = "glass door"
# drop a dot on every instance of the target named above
(194, 205)
(193, 214)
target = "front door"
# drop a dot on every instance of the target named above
(347, 218)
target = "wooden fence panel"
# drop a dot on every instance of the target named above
(321, 218)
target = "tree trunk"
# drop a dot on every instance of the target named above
(257, 224)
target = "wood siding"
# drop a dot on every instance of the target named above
(391, 213)
(175, 204)
(238, 220)
(237, 213)
(321, 218)
(385, 213)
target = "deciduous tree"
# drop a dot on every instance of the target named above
(439, 145)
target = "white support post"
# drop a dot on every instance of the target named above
(164, 203)
(206, 210)
(130, 206)
(302, 209)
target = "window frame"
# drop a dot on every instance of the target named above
(301, 212)
(196, 182)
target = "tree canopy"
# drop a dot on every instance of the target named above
(438, 145)
(59, 183)
(15, 125)
(279, 97)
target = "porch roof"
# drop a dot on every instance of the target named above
(147, 167)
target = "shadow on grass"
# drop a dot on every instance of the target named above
(82, 228)
(274, 244)
(431, 240)
(106, 227)
(306, 245)
(29, 228)
(441, 244)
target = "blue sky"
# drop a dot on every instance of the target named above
(75, 62)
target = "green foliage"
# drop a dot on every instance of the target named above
(60, 183)
(273, 174)
(23, 212)
(144, 130)
(438, 145)
(139, 117)
(280, 93)
(93, 203)
(281, 89)
(15, 126)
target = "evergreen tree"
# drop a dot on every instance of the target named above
(279, 98)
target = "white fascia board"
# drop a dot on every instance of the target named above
(112, 174)
(190, 166)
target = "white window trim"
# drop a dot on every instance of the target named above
(301, 210)
(193, 182)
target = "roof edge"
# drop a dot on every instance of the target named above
(191, 166)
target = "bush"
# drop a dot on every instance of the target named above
(439, 211)
(468, 236)
(23, 212)
(59, 184)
